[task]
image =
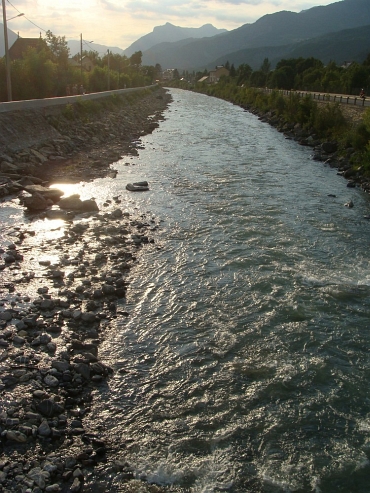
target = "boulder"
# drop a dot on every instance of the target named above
(40, 157)
(89, 206)
(36, 202)
(76, 204)
(329, 147)
(57, 214)
(7, 167)
(49, 193)
(141, 186)
(72, 202)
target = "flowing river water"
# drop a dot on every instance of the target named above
(244, 365)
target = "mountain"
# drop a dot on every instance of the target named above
(12, 36)
(75, 47)
(170, 33)
(347, 45)
(272, 30)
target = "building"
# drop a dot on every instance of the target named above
(168, 74)
(21, 45)
(214, 75)
(87, 64)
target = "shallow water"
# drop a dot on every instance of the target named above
(244, 365)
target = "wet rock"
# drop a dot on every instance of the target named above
(61, 366)
(329, 147)
(76, 485)
(39, 476)
(51, 381)
(76, 204)
(141, 186)
(83, 370)
(7, 316)
(44, 429)
(49, 408)
(16, 436)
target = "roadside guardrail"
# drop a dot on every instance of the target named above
(33, 104)
(319, 96)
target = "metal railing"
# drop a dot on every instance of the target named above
(335, 98)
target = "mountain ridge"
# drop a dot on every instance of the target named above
(170, 33)
(278, 29)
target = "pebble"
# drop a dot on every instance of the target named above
(51, 339)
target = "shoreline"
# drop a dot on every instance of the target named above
(60, 294)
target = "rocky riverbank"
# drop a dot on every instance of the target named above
(327, 152)
(60, 292)
(75, 143)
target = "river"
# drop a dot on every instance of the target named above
(244, 365)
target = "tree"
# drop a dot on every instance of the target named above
(281, 78)
(258, 79)
(135, 59)
(158, 71)
(266, 66)
(244, 72)
(232, 71)
(58, 47)
(59, 55)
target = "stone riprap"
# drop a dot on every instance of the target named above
(59, 298)
(72, 146)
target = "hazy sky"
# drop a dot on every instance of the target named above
(120, 22)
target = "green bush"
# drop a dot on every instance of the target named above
(329, 121)
(68, 112)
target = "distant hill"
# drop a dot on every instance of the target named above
(347, 45)
(169, 34)
(272, 30)
(75, 47)
(12, 36)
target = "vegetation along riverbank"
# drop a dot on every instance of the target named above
(60, 294)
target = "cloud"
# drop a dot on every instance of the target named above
(112, 6)
(120, 22)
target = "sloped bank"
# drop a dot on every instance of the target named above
(342, 121)
(323, 150)
(76, 142)
(55, 313)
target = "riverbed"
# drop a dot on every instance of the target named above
(243, 365)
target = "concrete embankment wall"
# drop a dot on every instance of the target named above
(23, 123)
(37, 104)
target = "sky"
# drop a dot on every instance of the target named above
(118, 23)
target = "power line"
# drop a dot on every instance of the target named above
(29, 20)
(42, 29)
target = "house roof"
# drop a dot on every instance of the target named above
(73, 63)
(20, 46)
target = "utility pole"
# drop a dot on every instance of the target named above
(8, 78)
(80, 59)
(108, 73)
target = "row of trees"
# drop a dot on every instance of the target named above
(46, 71)
(306, 74)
